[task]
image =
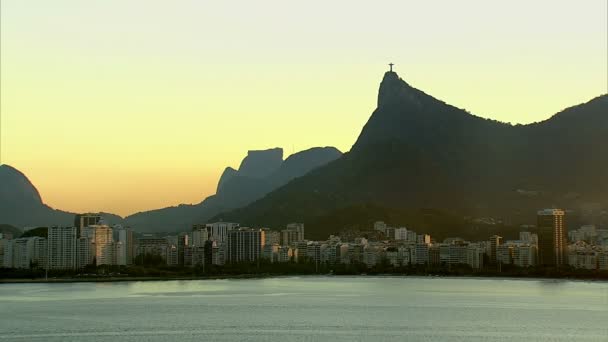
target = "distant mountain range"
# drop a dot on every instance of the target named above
(417, 161)
(419, 152)
(259, 173)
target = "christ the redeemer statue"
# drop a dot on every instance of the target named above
(391, 66)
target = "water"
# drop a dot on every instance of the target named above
(307, 309)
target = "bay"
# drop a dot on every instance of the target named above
(307, 309)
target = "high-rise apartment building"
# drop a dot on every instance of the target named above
(218, 231)
(495, 242)
(125, 253)
(102, 239)
(62, 247)
(551, 237)
(244, 244)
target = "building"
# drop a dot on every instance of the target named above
(299, 227)
(200, 235)
(475, 255)
(172, 256)
(198, 255)
(423, 238)
(244, 245)
(551, 237)
(525, 254)
(37, 251)
(6, 251)
(20, 256)
(102, 239)
(380, 226)
(495, 242)
(421, 254)
(504, 254)
(183, 242)
(218, 231)
(85, 252)
(85, 220)
(272, 237)
(149, 245)
(125, 253)
(401, 233)
(62, 247)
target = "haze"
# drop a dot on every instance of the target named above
(125, 106)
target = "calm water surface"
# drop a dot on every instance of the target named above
(307, 309)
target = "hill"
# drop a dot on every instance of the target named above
(417, 152)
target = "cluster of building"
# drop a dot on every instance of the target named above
(91, 241)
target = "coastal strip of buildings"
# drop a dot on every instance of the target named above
(92, 242)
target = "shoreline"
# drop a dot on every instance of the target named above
(266, 276)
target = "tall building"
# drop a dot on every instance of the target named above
(20, 256)
(401, 234)
(125, 253)
(245, 244)
(85, 255)
(182, 244)
(85, 220)
(200, 235)
(150, 245)
(102, 239)
(298, 227)
(495, 242)
(272, 237)
(6, 249)
(62, 247)
(218, 231)
(37, 251)
(551, 237)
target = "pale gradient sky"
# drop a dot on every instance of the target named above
(124, 106)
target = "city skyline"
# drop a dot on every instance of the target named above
(155, 112)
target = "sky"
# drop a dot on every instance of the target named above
(123, 106)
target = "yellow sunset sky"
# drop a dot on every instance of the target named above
(123, 106)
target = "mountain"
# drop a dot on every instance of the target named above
(259, 173)
(417, 152)
(21, 204)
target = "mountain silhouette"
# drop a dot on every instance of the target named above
(259, 173)
(21, 204)
(418, 152)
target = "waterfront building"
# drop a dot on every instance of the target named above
(150, 245)
(37, 251)
(125, 254)
(172, 256)
(20, 256)
(200, 235)
(85, 254)
(218, 231)
(244, 244)
(475, 254)
(62, 247)
(101, 237)
(495, 242)
(198, 255)
(551, 237)
(272, 237)
(421, 254)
